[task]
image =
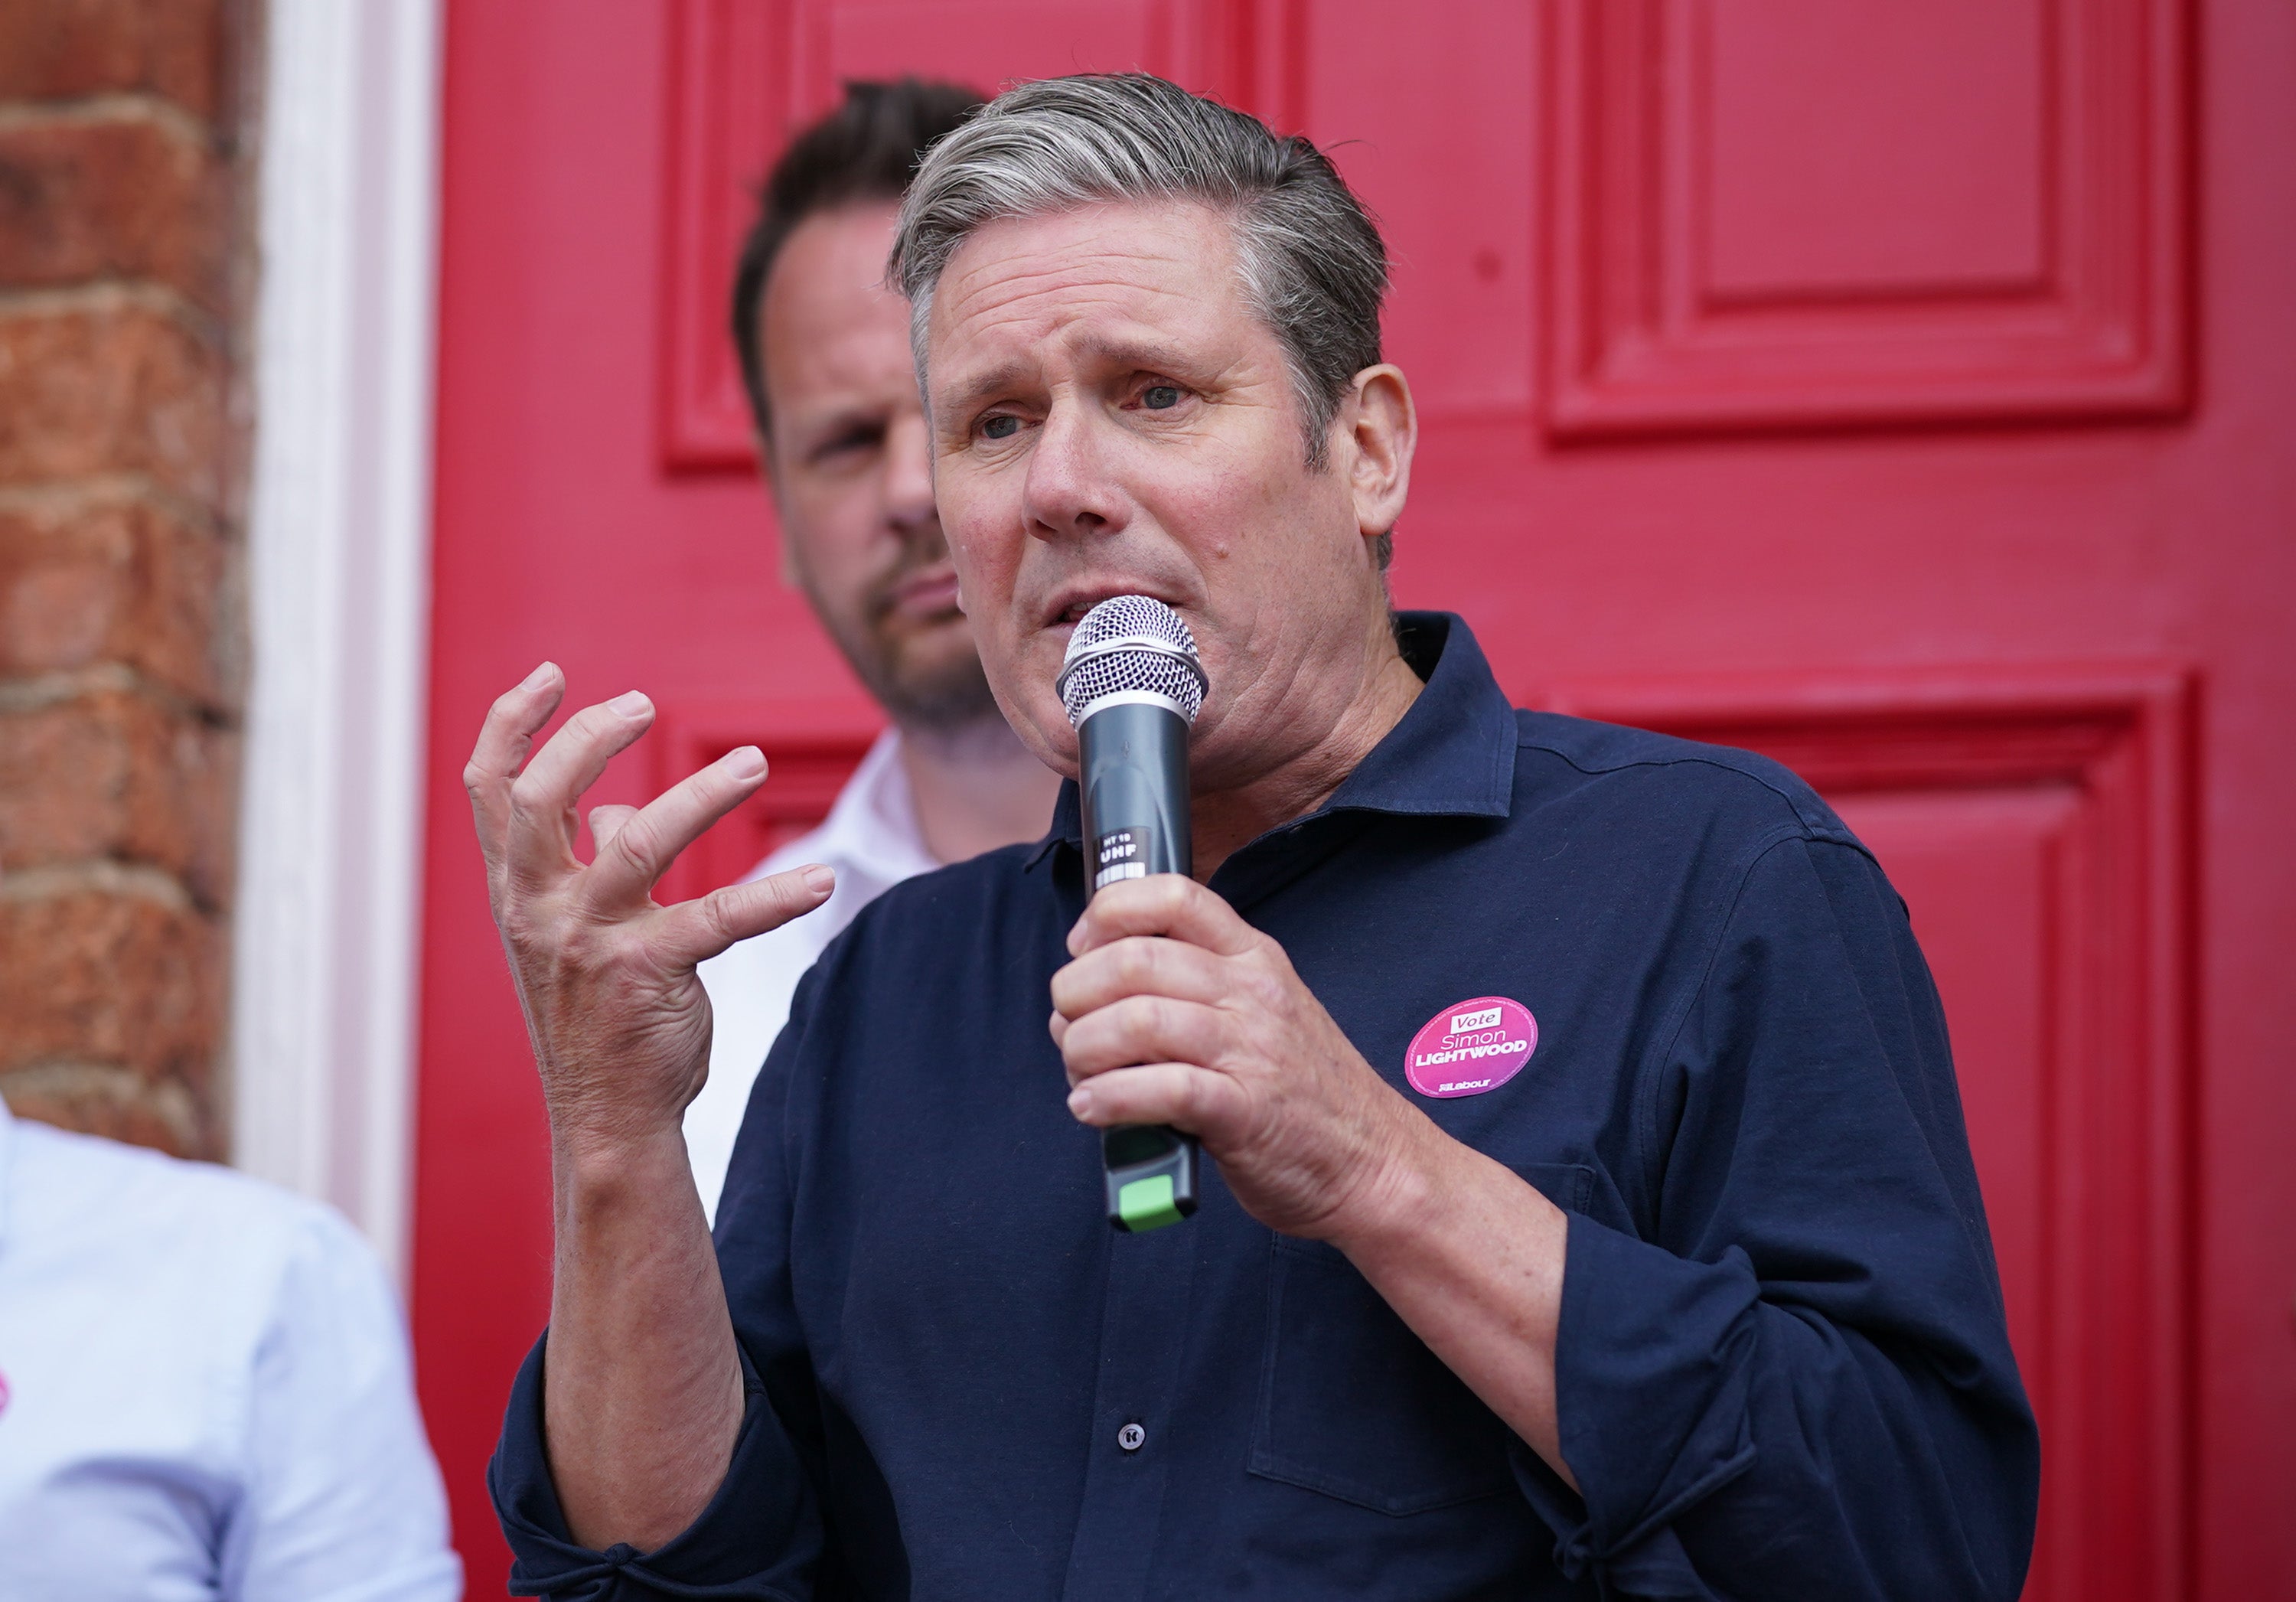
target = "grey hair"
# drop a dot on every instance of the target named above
(1312, 265)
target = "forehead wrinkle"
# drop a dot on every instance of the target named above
(1146, 286)
(1095, 262)
(1112, 237)
(1053, 298)
(1077, 326)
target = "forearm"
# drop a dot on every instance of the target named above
(642, 1395)
(1471, 1257)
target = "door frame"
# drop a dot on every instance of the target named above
(326, 918)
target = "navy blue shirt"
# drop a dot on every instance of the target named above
(1783, 1367)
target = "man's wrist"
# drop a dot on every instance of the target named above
(1425, 1193)
(595, 1166)
(1397, 1193)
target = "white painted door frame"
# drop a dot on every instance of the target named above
(330, 843)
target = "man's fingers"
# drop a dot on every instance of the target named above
(1168, 904)
(504, 738)
(1203, 1102)
(1142, 1029)
(693, 931)
(542, 798)
(1139, 965)
(606, 821)
(648, 841)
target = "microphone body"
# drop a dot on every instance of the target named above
(1133, 686)
(1133, 759)
(1133, 774)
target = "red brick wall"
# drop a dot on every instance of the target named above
(124, 258)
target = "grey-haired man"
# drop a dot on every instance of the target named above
(1687, 1293)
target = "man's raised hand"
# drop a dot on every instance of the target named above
(619, 1023)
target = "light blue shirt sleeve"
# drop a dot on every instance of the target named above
(342, 1499)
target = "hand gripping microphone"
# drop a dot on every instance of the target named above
(1133, 686)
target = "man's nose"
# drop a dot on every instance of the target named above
(1071, 490)
(908, 472)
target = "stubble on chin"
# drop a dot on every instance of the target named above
(925, 678)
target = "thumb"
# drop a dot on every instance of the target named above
(606, 822)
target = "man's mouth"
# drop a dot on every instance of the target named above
(1068, 606)
(925, 594)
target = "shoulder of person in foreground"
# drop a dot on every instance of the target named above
(1720, 786)
(259, 1331)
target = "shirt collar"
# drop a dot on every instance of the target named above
(872, 828)
(1452, 755)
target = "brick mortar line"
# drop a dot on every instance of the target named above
(111, 295)
(119, 107)
(58, 1068)
(169, 1099)
(131, 881)
(62, 497)
(39, 690)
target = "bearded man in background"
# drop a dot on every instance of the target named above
(824, 353)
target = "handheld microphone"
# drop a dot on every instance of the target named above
(1133, 686)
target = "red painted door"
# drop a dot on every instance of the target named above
(1903, 390)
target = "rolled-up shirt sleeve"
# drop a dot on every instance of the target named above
(760, 1539)
(1794, 1375)
(757, 1540)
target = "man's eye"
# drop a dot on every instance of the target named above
(1161, 398)
(845, 444)
(1002, 426)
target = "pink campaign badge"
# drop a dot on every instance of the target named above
(1470, 1046)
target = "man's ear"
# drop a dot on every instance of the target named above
(1381, 428)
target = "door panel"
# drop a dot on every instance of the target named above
(1858, 382)
(1812, 188)
(1808, 213)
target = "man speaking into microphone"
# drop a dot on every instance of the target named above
(1585, 1209)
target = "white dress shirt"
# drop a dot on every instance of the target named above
(204, 1391)
(871, 837)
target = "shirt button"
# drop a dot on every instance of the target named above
(1131, 1437)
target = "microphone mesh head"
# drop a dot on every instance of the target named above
(1131, 642)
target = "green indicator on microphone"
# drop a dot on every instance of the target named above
(1145, 1204)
